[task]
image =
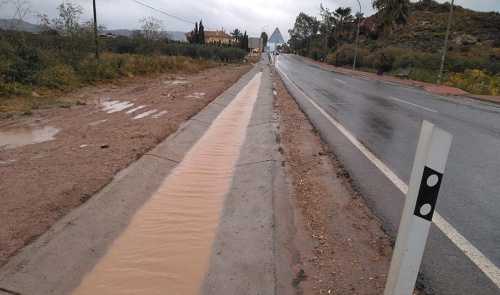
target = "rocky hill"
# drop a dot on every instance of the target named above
(427, 26)
(13, 24)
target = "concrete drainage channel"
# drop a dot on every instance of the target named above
(241, 258)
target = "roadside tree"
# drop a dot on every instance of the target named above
(342, 21)
(237, 35)
(264, 37)
(73, 39)
(390, 13)
(304, 31)
(244, 41)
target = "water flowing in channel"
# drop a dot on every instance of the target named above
(166, 248)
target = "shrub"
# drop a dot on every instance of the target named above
(106, 68)
(206, 52)
(412, 59)
(476, 82)
(59, 77)
(19, 62)
(342, 56)
(230, 54)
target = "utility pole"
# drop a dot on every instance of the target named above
(357, 36)
(326, 40)
(96, 36)
(440, 76)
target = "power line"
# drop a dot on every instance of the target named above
(176, 17)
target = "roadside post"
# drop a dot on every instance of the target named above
(426, 176)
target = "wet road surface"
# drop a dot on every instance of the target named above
(386, 119)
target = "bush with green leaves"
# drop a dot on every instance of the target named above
(205, 52)
(344, 56)
(475, 81)
(230, 54)
(60, 77)
(73, 39)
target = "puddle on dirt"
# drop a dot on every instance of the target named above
(178, 80)
(98, 122)
(196, 95)
(156, 116)
(20, 136)
(114, 106)
(145, 114)
(135, 109)
(166, 248)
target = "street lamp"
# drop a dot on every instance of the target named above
(440, 76)
(326, 40)
(357, 36)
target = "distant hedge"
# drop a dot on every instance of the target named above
(54, 61)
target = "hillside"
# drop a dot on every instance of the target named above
(32, 28)
(427, 26)
(7, 24)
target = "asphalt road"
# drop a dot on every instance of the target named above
(386, 119)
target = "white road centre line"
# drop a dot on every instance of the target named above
(415, 105)
(341, 81)
(478, 258)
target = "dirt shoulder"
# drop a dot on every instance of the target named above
(342, 247)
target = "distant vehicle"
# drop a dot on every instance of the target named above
(277, 52)
(256, 50)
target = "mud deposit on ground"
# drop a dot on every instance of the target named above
(342, 248)
(104, 130)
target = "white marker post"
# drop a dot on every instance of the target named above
(425, 181)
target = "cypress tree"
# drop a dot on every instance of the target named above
(194, 35)
(201, 34)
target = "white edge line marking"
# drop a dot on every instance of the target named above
(341, 81)
(415, 105)
(478, 258)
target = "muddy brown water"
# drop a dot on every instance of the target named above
(167, 246)
(20, 136)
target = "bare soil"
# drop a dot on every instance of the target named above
(40, 183)
(342, 248)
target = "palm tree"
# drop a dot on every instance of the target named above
(390, 13)
(236, 34)
(342, 19)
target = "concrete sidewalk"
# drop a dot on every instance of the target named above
(243, 254)
(429, 87)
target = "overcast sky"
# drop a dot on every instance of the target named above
(252, 16)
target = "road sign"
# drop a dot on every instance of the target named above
(255, 43)
(276, 37)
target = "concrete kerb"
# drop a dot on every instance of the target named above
(367, 78)
(56, 262)
(495, 101)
